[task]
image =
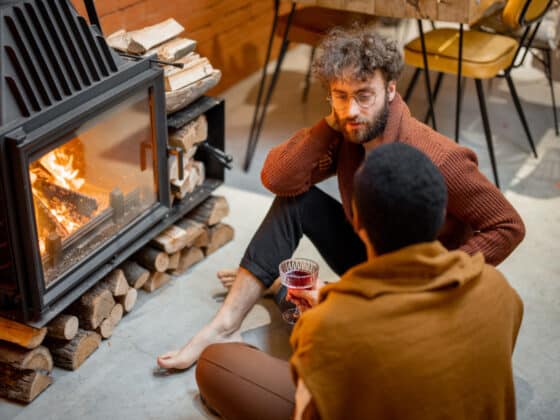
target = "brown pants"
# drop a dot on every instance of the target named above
(238, 381)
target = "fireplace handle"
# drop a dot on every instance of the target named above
(177, 151)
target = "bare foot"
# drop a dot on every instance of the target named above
(227, 277)
(190, 352)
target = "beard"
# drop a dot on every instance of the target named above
(369, 130)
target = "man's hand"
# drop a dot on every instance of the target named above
(305, 299)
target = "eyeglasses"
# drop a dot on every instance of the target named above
(363, 99)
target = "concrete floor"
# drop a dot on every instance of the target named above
(120, 379)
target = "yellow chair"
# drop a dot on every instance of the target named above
(306, 25)
(482, 56)
(499, 22)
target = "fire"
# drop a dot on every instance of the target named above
(52, 177)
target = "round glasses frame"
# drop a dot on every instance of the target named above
(364, 101)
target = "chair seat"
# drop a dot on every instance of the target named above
(484, 55)
(310, 24)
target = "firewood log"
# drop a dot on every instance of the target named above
(220, 235)
(175, 49)
(64, 327)
(129, 300)
(189, 74)
(21, 334)
(71, 354)
(107, 326)
(189, 257)
(190, 134)
(119, 40)
(174, 260)
(38, 358)
(211, 211)
(22, 385)
(178, 236)
(180, 98)
(135, 274)
(203, 239)
(152, 259)
(93, 307)
(115, 282)
(144, 39)
(155, 281)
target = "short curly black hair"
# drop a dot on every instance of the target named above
(356, 52)
(400, 197)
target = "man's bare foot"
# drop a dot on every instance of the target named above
(185, 357)
(227, 277)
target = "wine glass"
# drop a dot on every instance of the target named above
(297, 273)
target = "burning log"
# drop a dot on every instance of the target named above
(78, 204)
(211, 211)
(189, 257)
(93, 307)
(21, 334)
(135, 274)
(38, 358)
(71, 354)
(220, 235)
(63, 327)
(152, 259)
(129, 300)
(22, 385)
(155, 281)
(46, 220)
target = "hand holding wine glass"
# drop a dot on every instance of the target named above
(305, 299)
(297, 274)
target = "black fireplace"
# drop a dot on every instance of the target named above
(83, 157)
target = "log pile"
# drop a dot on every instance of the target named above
(25, 365)
(164, 40)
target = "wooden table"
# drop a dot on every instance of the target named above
(459, 11)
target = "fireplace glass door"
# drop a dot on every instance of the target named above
(94, 185)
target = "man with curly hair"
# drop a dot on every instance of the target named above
(359, 68)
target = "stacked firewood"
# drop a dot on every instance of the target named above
(25, 365)
(185, 243)
(188, 77)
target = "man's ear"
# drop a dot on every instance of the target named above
(392, 89)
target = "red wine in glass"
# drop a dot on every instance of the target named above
(297, 273)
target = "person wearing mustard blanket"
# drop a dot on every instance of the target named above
(359, 69)
(415, 332)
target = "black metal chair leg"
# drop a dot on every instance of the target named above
(520, 112)
(436, 91)
(459, 98)
(548, 71)
(412, 84)
(487, 132)
(260, 112)
(253, 144)
(307, 82)
(427, 74)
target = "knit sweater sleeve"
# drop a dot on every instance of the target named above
(308, 157)
(497, 227)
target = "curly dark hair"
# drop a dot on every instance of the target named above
(356, 52)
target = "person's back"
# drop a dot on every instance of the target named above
(420, 333)
(417, 331)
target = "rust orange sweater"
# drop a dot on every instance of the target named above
(479, 218)
(420, 333)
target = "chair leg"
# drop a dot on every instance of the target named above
(258, 116)
(307, 82)
(436, 91)
(548, 71)
(487, 132)
(412, 84)
(427, 73)
(520, 112)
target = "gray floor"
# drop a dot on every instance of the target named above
(119, 380)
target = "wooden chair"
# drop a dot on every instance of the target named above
(306, 25)
(478, 55)
(537, 41)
